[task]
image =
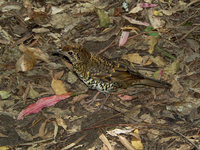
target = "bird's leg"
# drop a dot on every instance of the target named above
(107, 96)
(93, 99)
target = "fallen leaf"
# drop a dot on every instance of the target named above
(159, 61)
(172, 68)
(25, 63)
(136, 9)
(42, 130)
(115, 132)
(147, 5)
(158, 74)
(136, 58)
(178, 7)
(125, 97)
(152, 42)
(104, 19)
(58, 75)
(32, 93)
(136, 140)
(4, 94)
(41, 103)
(123, 38)
(61, 123)
(58, 86)
(133, 21)
(36, 52)
(156, 21)
(177, 88)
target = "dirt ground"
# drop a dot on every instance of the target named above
(43, 103)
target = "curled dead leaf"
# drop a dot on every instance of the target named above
(58, 86)
(61, 122)
(25, 62)
(36, 52)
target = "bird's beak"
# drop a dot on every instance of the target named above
(58, 51)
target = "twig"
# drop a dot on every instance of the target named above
(188, 33)
(109, 46)
(198, 148)
(27, 36)
(36, 142)
(188, 18)
(74, 143)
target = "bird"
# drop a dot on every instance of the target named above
(103, 74)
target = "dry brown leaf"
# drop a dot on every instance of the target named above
(38, 53)
(42, 131)
(136, 58)
(159, 61)
(136, 9)
(156, 21)
(172, 68)
(58, 86)
(61, 123)
(32, 93)
(177, 88)
(152, 42)
(59, 74)
(25, 62)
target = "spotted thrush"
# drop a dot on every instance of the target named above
(103, 74)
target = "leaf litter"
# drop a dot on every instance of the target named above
(160, 40)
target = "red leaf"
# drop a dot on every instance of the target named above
(41, 103)
(160, 74)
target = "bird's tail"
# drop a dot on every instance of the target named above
(154, 83)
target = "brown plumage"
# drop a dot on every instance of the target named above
(103, 74)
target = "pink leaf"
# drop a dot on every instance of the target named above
(41, 103)
(125, 97)
(147, 5)
(133, 21)
(160, 73)
(123, 38)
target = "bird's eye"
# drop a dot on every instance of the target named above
(70, 53)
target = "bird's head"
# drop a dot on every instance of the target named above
(75, 54)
